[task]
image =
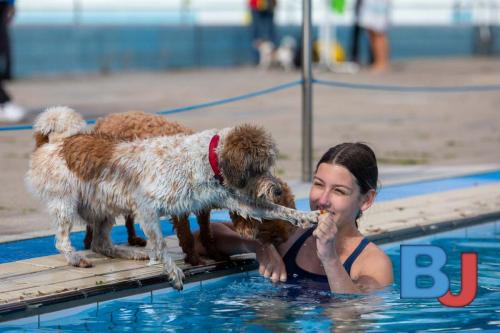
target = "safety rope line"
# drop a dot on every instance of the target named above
(332, 83)
(16, 128)
(233, 99)
(191, 107)
(409, 89)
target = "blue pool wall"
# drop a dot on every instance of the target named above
(40, 50)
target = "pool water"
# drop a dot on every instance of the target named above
(44, 246)
(249, 303)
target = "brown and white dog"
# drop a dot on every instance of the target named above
(128, 126)
(87, 177)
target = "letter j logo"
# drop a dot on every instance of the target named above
(440, 288)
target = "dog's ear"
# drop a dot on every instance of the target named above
(287, 198)
(247, 151)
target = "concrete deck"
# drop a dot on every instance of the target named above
(46, 284)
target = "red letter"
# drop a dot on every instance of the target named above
(468, 280)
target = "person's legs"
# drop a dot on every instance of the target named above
(254, 28)
(371, 57)
(4, 96)
(9, 111)
(380, 47)
(4, 52)
(7, 73)
(356, 37)
(262, 28)
(269, 33)
(356, 30)
(374, 18)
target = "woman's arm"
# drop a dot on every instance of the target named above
(376, 272)
(338, 279)
(376, 269)
(229, 242)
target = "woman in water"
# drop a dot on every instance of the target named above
(334, 253)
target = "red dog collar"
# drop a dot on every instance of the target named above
(212, 158)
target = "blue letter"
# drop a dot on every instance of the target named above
(410, 271)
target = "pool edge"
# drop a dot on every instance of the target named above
(425, 230)
(52, 303)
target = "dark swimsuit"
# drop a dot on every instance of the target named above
(296, 274)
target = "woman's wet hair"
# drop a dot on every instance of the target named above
(359, 159)
(361, 162)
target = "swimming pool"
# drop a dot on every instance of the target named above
(44, 246)
(248, 302)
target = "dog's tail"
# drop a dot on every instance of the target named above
(57, 123)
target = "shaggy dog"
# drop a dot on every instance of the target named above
(128, 126)
(281, 57)
(286, 53)
(88, 177)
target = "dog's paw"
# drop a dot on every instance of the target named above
(84, 263)
(141, 256)
(153, 261)
(176, 277)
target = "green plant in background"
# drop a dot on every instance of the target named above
(338, 6)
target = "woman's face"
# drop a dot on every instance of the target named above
(336, 190)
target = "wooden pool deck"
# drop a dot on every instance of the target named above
(45, 284)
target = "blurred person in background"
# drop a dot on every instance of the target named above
(357, 37)
(262, 27)
(374, 17)
(9, 112)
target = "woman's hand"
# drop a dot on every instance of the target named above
(271, 264)
(325, 234)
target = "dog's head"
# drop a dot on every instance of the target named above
(247, 154)
(282, 197)
(268, 231)
(272, 189)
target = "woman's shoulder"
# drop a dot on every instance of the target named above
(373, 261)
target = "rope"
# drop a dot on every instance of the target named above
(30, 127)
(408, 89)
(233, 99)
(191, 107)
(332, 83)
(16, 128)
